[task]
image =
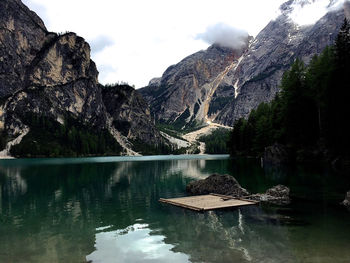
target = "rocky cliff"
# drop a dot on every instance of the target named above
(51, 75)
(130, 114)
(184, 96)
(222, 85)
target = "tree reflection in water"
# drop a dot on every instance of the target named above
(59, 212)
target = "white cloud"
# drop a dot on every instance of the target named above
(101, 42)
(137, 40)
(309, 12)
(224, 35)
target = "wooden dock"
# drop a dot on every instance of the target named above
(208, 202)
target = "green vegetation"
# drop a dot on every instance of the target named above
(216, 142)
(218, 103)
(169, 129)
(310, 114)
(193, 148)
(3, 140)
(181, 120)
(196, 108)
(148, 149)
(49, 138)
(176, 131)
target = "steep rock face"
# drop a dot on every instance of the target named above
(22, 35)
(131, 114)
(274, 49)
(61, 79)
(183, 94)
(52, 75)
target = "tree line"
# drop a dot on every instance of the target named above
(49, 138)
(216, 142)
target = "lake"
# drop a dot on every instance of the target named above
(106, 209)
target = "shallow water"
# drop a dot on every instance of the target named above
(106, 210)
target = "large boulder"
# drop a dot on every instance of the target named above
(219, 184)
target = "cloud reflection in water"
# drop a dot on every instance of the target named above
(133, 244)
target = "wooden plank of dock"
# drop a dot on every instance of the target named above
(207, 202)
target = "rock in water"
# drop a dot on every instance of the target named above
(278, 194)
(346, 202)
(279, 191)
(219, 184)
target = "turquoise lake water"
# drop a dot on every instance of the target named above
(106, 210)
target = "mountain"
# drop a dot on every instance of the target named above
(185, 95)
(49, 78)
(273, 51)
(247, 77)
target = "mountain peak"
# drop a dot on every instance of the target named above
(224, 84)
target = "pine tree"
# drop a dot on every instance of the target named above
(342, 46)
(319, 78)
(340, 92)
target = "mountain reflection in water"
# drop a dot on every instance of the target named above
(87, 209)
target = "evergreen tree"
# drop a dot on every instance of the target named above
(339, 92)
(298, 107)
(319, 78)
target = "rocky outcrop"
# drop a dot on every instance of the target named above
(184, 94)
(218, 184)
(22, 36)
(346, 201)
(60, 80)
(52, 75)
(131, 114)
(276, 154)
(278, 194)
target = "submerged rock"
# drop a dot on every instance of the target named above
(219, 184)
(278, 194)
(346, 201)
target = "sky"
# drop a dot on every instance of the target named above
(134, 41)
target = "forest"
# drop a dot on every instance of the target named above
(49, 138)
(310, 115)
(216, 142)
